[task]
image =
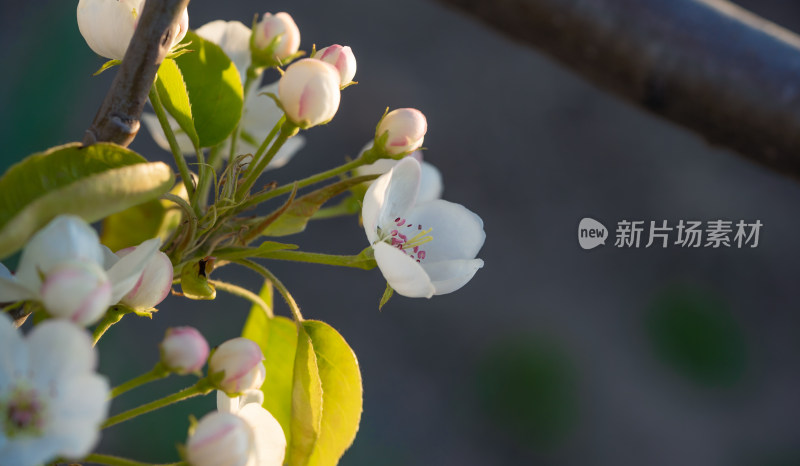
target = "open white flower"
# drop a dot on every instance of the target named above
(63, 267)
(260, 112)
(51, 400)
(430, 184)
(422, 249)
(270, 440)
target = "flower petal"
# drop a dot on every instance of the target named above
(457, 231)
(390, 196)
(10, 289)
(227, 404)
(233, 37)
(269, 439)
(65, 238)
(157, 132)
(448, 276)
(59, 349)
(125, 273)
(13, 353)
(404, 274)
(80, 407)
(430, 184)
(109, 258)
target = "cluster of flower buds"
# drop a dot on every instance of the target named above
(66, 269)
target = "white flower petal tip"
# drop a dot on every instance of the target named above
(404, 130)
(108, 26)
(125, 274)
(240, 360)
(422, 249)
(269, 28)
(53, 406)
(342, 59)
(431, 184)
(309, 92)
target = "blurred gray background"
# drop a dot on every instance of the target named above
(552, 355)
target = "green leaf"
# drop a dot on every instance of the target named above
(214, 88)
(307, 402)
(342, 400)
(133, 225)
(296, 217)
(91, 182)
(175, 98)
(277, 338)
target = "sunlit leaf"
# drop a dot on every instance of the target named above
(175, 97)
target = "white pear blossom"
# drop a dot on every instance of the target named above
(153, 285)
(260, 113)
(404, 128)
(62, 267)
(271, 26)
(270, 440)
(430, 185)
(52, 401)
(108, 25)
(309, 92)
(422, 249)
(342, 59)
(241, 361)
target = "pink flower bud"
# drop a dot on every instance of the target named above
(184, 350)
(406, 128)
(342, 59)
(76, 290)
(272, 26)
(154, 283)
(240, 360)
(220, 438)
(309, 92)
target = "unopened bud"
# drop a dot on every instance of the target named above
(309, 92)
(76, 290)
(342, 59)
(107, 25)
(220, 438)
(404, 130)
(240, 360)
(272, 26)
(153, 285)
(184, 350)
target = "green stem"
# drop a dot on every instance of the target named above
(117, 461)
(113, 315)
(264, 272)
(288, 129)
(180, 161)
(349, 206)
(243, 293)
(200, 388)
(358, 261)
(259, 198)
(203, 180)
(248, 83)
(158, 372)
(269, 138)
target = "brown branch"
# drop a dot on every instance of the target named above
(708, 65)
(117, 120)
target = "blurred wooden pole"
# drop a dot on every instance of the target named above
(117, 120)
(708, 65)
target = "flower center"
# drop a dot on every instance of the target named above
(23, 412)
(399, 236)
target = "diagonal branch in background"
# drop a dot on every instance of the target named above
(117, 120)
(707, 65)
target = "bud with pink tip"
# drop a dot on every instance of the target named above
(277, 35)
(342, 59)
(220, 438)
(240, 360)
(309, 92)
(184, 350)
(403, 130)
(154, 284)
(76, 290)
